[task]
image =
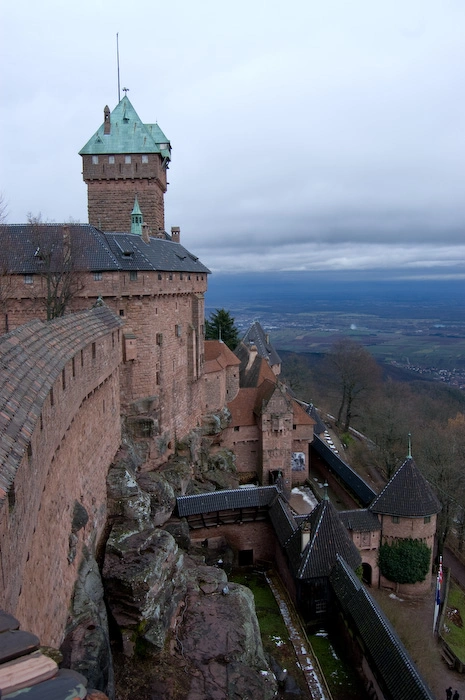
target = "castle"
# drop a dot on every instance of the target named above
(132, 350)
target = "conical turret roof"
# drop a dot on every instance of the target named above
(407, 494)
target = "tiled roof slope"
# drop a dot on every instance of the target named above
(218, 356)
(282, 520)
(362, 520)
(407, 494)
(229, 499)
(257, 372)
(395, 671)
(257, 336)
(31, 359)
(242, 408)
(328, 539)
(91, 250)
(127, 134)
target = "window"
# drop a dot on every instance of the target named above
(94, 160)
(121, 312)
(170, 276)
(236, 428)
(145, 159)
(320, 607)
(94, 351)
(159, 338)
(395, 519)
(52, 398)
(133, 275)
(27, 279)
(159, 275)
(127, 159)
(427, 519)
(178, 330)
(73, 367)
(63, 379)
(111, 160)
(97, 276)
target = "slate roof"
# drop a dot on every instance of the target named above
(407, 494)
(31, 359)
(229, 499)
(257, 372)
(359, 487)
(328, 539)
(257, 336)
(91, 250)
(319, 427)
(127, 135)
(283, 521)
(393, 666)
(359, 520)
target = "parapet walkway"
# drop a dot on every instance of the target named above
(305, 657)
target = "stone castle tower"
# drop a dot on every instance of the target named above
(123, 160)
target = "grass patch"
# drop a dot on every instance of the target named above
(275, 638)
(453, 629)
(341, 677)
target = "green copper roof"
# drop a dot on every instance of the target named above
(127, 135)
(136, 208)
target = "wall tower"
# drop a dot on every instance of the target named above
(124, 159)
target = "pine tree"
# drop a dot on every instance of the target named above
(221, 326)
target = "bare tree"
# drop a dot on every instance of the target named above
(356, 373)
(56, 257)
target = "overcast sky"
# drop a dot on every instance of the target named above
(306, 135)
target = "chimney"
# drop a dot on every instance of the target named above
(106, 120)
(306, 531)
(145, 233)
(253, 352)
(175, 234)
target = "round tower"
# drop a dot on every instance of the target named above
(125, 158)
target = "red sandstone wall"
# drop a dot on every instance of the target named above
(258, 536)
(165, 312)
(245, 443)
(112, 188)
(73, 444)
(276, 426)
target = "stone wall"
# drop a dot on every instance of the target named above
(56, 504)
(163, 315)
(258, 538)
(112, 188)
(417, 529)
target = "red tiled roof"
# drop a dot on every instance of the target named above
(218, 356)
(242, 407)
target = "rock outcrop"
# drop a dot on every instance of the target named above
(184, 631)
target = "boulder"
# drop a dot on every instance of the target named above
(144, 582)
(126, 500)
(162, 498)
(86, 645)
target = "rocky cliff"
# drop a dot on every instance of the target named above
(178, 628)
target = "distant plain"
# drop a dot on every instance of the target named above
(415, 325)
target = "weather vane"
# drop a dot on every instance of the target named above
(125, 90)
